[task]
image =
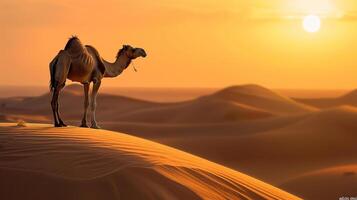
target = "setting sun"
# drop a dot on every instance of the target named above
(311, 23)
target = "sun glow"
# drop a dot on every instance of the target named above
(311, 23)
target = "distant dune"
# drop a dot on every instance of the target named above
(71, 100)
(262, 98)
(347, 99)
(203, 110)
(158, 94)
(40, 162)
(7, 91)
(146, 93)
(312, 93)
(232, 104)
(329, 183)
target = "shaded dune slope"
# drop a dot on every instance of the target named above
(75, 163)
(327, 183)
(203, 110)
(349, 99)
(317, 140)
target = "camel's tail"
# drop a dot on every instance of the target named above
(53, 64)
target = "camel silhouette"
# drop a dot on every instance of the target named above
(83, 64)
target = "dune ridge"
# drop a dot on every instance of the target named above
(263, 98)
(116, 164)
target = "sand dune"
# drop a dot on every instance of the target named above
(232, 104)
(273, 149)
(75, 163)
(329, 183)
(262, 98)
(248, 128)
(72, 104)
(347, 99)
(312, 93)
(203, 110)
(209, 109)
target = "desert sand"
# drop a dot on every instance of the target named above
(248, 128)
(41, 162)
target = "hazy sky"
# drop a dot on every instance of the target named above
(202, 43)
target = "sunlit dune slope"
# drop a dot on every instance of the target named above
(40, 162)
(329, 183)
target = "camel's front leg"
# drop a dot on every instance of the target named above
(86, 104)
(54, 104)
(61, 123)
(96, 85)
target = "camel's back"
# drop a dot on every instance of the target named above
(82, 62)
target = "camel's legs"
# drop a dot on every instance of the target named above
(60, 71)
(54, 105)
(86, 104)
(96, 85)
(61, 124)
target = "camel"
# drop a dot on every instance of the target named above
(83, 64)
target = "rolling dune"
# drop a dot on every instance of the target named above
(262, 98)
(72, 104)
(75, 163)
(238, 103)
(248, 128)
(329, 183)
(349, 99)
(203, 110)
(273, 149)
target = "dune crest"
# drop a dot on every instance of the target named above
(262, 98)
(87, 164)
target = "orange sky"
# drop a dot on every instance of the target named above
(202, 43)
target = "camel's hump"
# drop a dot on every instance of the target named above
(78, 53)
(75, 47)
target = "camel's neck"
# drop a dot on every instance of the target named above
(116, 68)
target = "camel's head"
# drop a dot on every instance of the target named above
(132, 52)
